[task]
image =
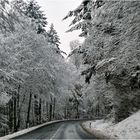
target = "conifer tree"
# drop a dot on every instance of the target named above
(53, 36)
(32, 10)
(82, 16)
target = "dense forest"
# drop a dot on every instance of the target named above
(109, 58)
(100, 78)
(33, 72)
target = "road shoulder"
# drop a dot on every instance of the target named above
(96, 133)
(25, 131)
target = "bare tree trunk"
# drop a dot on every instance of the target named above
(15, 112)
(77, 110)
(11, 114)
(18, 114)
(36, 109)
(18, 109)
(40, 120)
(28, 113)
(51, 110)
(65, 111)
(47, 110)
(54, 108)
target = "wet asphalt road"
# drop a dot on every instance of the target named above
(62, 130)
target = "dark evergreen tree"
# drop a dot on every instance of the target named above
(82, 16)
(32, 10)
(53, 37)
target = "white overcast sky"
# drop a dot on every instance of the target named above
(55, 11)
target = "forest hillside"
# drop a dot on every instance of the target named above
(34, 76)
(109, 58)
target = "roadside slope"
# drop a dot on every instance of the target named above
(128, 128)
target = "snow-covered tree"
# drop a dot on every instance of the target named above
(32, 10)
(6, 18)
(53, 36)
(111, 63)
(74, 44)
(82, 16)
(35, 78)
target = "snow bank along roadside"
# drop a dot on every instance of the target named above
(126, 129)
(97, 129)
(24, 131)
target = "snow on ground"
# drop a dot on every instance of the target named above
(99, 128)
(126, 129)
(129, 128)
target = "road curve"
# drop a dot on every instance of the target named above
(60, 130)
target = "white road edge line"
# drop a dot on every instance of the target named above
(25, 131)
(56, 132)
